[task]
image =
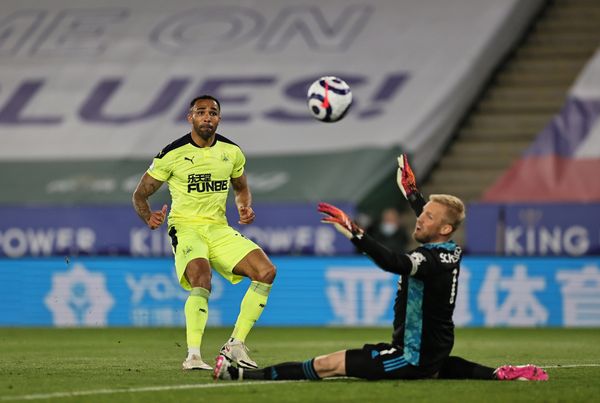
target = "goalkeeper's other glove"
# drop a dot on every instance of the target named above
(405, 177)
(340, 220)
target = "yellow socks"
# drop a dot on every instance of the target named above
(252, 306)
(196, 314)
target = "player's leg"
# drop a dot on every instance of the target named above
(194, 275)
(256, 266)
(372, 362)
(330, 365)
(382, 361)
(259, 269)
(198, 274)
(234, 257)
(325, 366)
(459, 368)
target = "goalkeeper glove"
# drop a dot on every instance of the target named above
(405, 177)
(340, 220)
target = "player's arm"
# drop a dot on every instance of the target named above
(243, 199)
(408, 185)
(146, 188)
(388, 260)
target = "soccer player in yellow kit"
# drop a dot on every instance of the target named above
(199, 168)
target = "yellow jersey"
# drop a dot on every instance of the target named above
(198, 178)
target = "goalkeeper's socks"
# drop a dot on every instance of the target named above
(459, 368)
(251, 308)
(285, 371)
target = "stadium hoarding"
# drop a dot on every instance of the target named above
(524, 292)
(533, 229)
(109, 85)
(290, 228)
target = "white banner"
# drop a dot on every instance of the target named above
(89, 80)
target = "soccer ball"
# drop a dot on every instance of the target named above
(329, 98)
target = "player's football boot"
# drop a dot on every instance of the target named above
(195, 362)
(237, 352)
(223, 369)
(521, 373)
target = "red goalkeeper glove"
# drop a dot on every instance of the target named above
(405, 177)
(340, 220)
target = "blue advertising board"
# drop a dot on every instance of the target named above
(290, 228)
(308, 291)
(550, 229)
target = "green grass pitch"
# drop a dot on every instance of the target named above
(143, 365)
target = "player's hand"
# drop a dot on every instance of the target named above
(340, 220)
(405, 177)
(247, 215)
(157, 218)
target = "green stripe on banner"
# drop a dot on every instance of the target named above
(281, 178)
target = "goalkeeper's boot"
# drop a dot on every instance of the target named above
(521, 373)
(225, 371)
(237, 352)
(194, 361)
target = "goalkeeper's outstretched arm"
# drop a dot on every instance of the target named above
(396, 262)
(408, 185)
(388, 260)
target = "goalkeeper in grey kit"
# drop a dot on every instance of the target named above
(423, 334)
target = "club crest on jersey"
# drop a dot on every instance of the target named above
(224, 157)
(417, 258)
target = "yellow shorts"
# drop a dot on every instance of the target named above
(220, 244)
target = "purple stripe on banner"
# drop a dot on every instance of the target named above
(565, 133)
(290, 228)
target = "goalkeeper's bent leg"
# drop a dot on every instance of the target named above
(324, 366)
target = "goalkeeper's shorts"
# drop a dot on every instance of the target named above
(382, 361)
(220, 244)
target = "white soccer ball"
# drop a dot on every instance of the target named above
(329, 98)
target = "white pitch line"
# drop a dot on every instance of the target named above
(141, 389)
(193, 386)
(570, 366)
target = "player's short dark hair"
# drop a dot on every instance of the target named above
(205, 97)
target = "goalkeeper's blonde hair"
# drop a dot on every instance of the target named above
(455, 208)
